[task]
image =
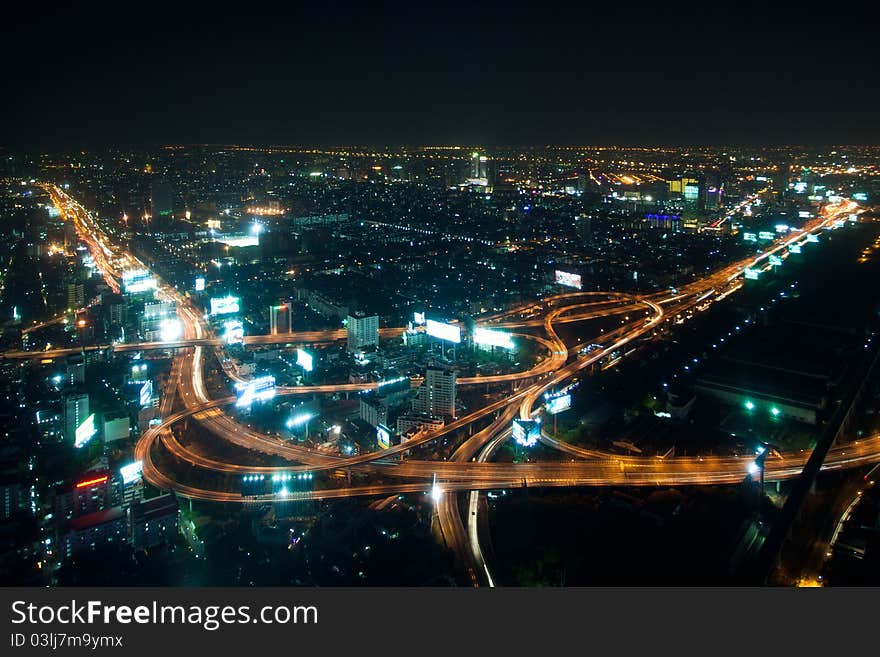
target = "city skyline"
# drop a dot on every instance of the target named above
(450, 294)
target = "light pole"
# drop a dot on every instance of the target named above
(758, 466)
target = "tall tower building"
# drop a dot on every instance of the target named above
(479, 169)
(280, 320)
(780, 179)
(363, 331)
(161, 198)
(584, 227)
(75, 411)
(436, 396)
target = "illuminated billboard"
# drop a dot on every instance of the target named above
(305, 360)
(775, 260)
(239, 240)
(493, 338)
(131, 473)
(794, 248)
(135, 281)
(558, 403)
(225, 305)
(526, 433)
(145, 395)
(448, 332)
(85, 431)
(812, 237)
(766, 235)
(383, 436)
(259, 389)
(750, 237)
(782, 228)
(568, 279)
(200, 284)
(233, 332)
(418, 318)
(752, 274)
(170, 330)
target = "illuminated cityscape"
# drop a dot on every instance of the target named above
(450, 359)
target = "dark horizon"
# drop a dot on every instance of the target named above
(390, 74)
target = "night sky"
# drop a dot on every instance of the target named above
(408, 73)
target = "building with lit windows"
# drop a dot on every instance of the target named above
(74, 411)
(436, 395)
(280, 320)
(94, 531)
(154, 521)
(363, 331)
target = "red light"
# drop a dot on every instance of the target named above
(91, 482)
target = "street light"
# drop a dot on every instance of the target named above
(436, 491)
(758, 466)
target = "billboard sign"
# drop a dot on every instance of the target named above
(131, 473)
(418, 318)
(305, 360)
(85, 431)
(775, 260)
(568, 279)
(794, 248)
(259, 389)
(493, 338)
(558, 403)
(135, 281)
(225, 305)
(448, 332)
(766, 235)
(752, 274)
(200, 284)
(750, 237)
(145, 395)
(383, 436)
(526, 433)
(233, 332)
(170, 330)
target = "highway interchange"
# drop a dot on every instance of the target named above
(469, 468)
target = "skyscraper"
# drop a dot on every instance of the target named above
(280, 320)
(479, 170)
(436, 396)
(584, 227)
(75, 411)
(363, 331)
(162, 198)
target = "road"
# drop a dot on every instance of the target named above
(470, 468)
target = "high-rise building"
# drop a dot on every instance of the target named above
(75, 295)
(363, 331)
(154, 521)
(76, 370)
(436, 396)
(74, 412)
(280, 320)
(162, 198)
(93, 491)
(373, 409)
(94, 531)
(479, 169)
(584, 227)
